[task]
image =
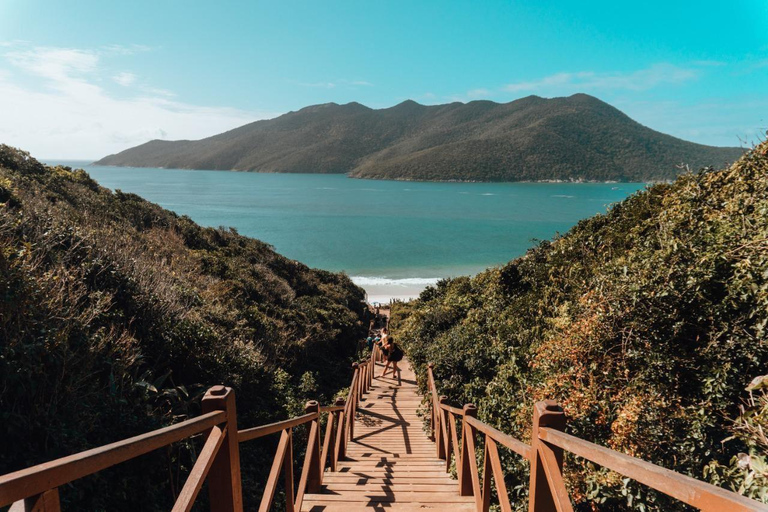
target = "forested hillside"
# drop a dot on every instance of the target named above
(530, 139)
(116, 315)
(649, 324)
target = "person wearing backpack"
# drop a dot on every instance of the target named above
(394, 354)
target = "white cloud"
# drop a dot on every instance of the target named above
(68, 114)
(124, 78)
(713, 121)
(478, 93)
(325, 85)
(639, 80)
(57, 64)
(712, 63)
(342, 82)
(120, 49)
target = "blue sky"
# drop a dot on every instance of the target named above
(83, 79)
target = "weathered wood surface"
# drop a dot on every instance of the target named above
(391, 463)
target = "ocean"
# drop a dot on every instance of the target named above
(393, 238)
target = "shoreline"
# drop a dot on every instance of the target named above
(375, 178)
(383, 290)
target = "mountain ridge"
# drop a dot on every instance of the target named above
(575, 138)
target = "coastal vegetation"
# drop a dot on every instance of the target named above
(116, 315)
(578, 138)
(648, 324)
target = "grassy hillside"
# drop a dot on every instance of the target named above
(646, 324)
(116, 315)
(574, 138)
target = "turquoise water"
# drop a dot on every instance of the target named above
(380, 232)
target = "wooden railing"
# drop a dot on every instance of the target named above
(36, 488)
(547, 492)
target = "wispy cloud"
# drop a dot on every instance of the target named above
(57, 64)
(68, 113)
(714, 121)
(479, 93)
(639, 80)
(709, 63)
(324, 85)
(121, 49)
(342, 82)
(124, 78)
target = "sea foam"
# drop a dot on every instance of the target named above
(386, 281)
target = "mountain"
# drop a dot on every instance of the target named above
(573, 138)
(649, 324)
(116, 315)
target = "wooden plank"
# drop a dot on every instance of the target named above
(310, 474)
(290, 497)
(393, 507)
(274, 473)
(196, 477)
(386, 497)
(555, 478)
(498, 476)
(404, 486)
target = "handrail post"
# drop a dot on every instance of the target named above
(224, 483)
(431, 390)
(441, 439)
(336, 417)
(546, 413)
(467, 451)
(353, 401)
(315, 472)
(372, 367)
(340, 447)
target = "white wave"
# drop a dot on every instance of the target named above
(386, 281)
(564, 196)
(487, 194)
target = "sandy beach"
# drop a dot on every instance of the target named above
(383, 290)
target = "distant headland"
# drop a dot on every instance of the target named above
(575, 138)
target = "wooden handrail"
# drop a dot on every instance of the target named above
(547, 491)
(689, 490)
(219, 459)
(506, 440)
(49, 475)
(264, 430)
(453, 410)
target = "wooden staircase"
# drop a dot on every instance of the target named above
(390, 464)
(377, 455)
